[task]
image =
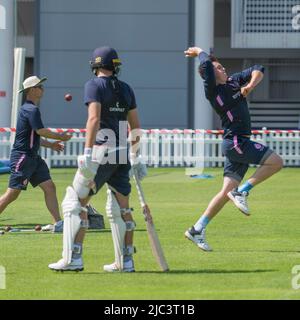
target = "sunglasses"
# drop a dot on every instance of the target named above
(40, 86)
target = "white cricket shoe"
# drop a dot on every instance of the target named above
(198, 238)
(75, 265)
(240, 200)
(58, 227)
(48, 227)
(128, 267)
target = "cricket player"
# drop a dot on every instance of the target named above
(227, 96)
(111, 107)
(26, 164)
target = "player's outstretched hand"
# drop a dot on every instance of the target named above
(57, 146)
(65, 136)
(192, 52)
(245, 91)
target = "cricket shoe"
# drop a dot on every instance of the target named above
(128, 267)
(48, 227)
(198, 238)
(240, 200)
(75, 265)
(58, 227)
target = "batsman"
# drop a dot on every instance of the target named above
(111, 108)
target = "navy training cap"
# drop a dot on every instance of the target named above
(105, 57)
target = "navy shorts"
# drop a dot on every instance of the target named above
(115, 175)
(239, 153)
(25, 168)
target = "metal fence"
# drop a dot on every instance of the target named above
(169, 148)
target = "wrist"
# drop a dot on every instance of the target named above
(87, 151)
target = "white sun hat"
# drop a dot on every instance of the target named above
(31, 82)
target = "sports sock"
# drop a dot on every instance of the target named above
(247, 186)
(201, 223)
(77, 251)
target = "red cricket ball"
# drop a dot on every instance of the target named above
(68, 97)
(7, 228)
(38, 228)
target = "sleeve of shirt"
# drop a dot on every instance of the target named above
(245, 76)
(35, 120)
(91, 93)
(208, 74)
(133, 100)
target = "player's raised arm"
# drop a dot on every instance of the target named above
(206, 69)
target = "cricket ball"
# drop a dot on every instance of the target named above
(7, 228)
(38, 228)
(68, 97)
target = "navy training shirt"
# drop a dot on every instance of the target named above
(116, 98)
(226, 99)
(29, 120)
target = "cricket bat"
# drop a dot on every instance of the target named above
(153, 238)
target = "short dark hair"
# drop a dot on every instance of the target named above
(201, 69)
(26, 91)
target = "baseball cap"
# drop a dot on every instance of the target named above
(31, 82)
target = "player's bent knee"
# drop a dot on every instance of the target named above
(276, 161)
(82, 185)
(279, 163)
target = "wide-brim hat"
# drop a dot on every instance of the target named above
(32, 82)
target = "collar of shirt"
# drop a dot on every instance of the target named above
(29, 101)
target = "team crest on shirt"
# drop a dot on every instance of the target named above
(259, 146)
(25, 182)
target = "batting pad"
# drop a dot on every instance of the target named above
(71, 209)
(118, 227)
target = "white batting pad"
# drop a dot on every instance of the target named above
(71, 209)
(118, 227)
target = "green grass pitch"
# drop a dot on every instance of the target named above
(252, 258)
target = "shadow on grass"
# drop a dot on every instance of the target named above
(31, 225)
(284, 251)
(157, 174)
(7, 219)
(209, 271)
(176, 272)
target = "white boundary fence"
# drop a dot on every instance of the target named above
(162, 147)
